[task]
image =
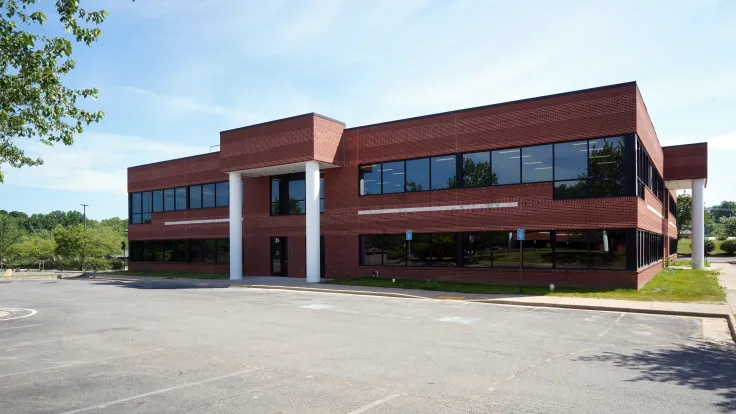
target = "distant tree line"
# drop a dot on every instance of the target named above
(60, 240)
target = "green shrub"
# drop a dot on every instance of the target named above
(729, 246)
(118, 264)
(67, 264)
(721, 236)
(97, 264)
(710, 245)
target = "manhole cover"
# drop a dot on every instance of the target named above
(7, 314)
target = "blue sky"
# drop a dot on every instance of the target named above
(173, 73)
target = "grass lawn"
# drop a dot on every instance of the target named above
(684, 246)
(686, 262)
(669, 285)
(172, 275)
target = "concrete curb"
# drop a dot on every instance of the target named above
(342, 291)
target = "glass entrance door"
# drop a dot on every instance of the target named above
(279, 256)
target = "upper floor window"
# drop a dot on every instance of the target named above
(586, 168)
(143, 204)
(288, 194)
(590, 168)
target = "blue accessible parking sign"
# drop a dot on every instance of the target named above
(408, 235)
(519, 234)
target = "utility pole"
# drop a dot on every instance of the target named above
(85, 214)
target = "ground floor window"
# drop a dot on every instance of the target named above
(561, 249)
(673, 246)
(649, 247)
(195, 250)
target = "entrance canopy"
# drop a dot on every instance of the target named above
(685, 163)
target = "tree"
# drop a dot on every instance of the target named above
(724, 209)
(684, 213)
(10, 233)
(34, 248)
(35, 103)
(728, 225)
(79, 243)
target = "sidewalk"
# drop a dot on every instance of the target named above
(725, 311)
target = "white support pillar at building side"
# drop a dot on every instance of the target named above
(312, 216)
(698, 226)
(236, 225)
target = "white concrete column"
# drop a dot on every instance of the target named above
(236, 226)
(312, 217)
(698, 227)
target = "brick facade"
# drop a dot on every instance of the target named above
(600, 112)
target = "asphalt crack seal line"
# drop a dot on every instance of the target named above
(8, 314)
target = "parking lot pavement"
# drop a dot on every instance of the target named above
(103, 346)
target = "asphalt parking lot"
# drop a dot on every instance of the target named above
(100, 346)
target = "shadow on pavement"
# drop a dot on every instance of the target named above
(160, 285)
(704, 367)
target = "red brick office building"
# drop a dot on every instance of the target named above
(582, 172)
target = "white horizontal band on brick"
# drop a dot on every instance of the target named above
(654, 210)
(178, 223)
(673, 226)
(439, 208)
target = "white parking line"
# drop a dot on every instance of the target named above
(72, 364)
(161, 391)
(31, 312)
(612, 324)
(317, 306)
(375, 404)
(458, 319)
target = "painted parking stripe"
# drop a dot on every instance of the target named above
(459, 319)
(317, 306)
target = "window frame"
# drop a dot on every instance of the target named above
(459, 175)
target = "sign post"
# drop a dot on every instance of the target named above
(520, 237)
(408, 239)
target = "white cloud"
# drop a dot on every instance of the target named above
(97, 162)
(188, 104)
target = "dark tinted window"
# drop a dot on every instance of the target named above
(370, 179)
(393, 177)
(180, 251)
(147, 251)
(135, 208)
(158, 254)
(443, 172)
(208, 195)
(506, 166)
(195, 196)
(169, 199)
(417, 175)
(297, 195)
(606, 157)
(538, 249)
(394, 249)
(571, 160)
(371, 250)
(275, 196)
(195, 250)
(608, 249)
(571, 249)
(181, 198)
(477, 249)
(136, 251)
(419, 254)
(536, 163)
(158, 201)
(571, 189)
(209, 252)
(444, 250)
(223, 194)
(506, 251)
(223, 250)
(477, 169)
(607, 187)
(147, 200)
